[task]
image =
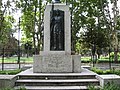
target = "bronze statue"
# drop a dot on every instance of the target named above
(56, 1)
(57, 30)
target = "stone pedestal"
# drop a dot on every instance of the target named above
(57, 61)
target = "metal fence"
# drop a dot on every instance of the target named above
(14, 58)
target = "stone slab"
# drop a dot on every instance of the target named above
(7, 81)
(104, 79)
(76, 61)
(83, 72)
(55, 87)
(37, 64)
(59, 81)
(87, 67)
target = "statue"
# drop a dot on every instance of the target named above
(56, 1)
(57, 30)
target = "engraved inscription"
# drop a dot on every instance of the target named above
(54, 61)
(57, 63)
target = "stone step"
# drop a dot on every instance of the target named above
(71, 82)
(53, 87)
(57, 76)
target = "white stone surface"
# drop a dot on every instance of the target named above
(67, 26)
(52, 63)
(104, 79)
(56, 87)
(30, 72)
(57, 63)
(37, 64)
(76, 63)
(7, 81)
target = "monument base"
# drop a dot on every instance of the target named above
(56, 62)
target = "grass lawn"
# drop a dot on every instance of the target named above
(14, 60)
(10, 72)
(86, 59)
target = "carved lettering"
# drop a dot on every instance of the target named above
(54, 61)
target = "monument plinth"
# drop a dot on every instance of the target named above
(56, 55)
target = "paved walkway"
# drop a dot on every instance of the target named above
(104, 66)
(13, 66)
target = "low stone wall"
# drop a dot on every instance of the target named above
(7, 81)
(104, 79)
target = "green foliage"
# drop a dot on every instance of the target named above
(32, 21)
(117, 72)
(108, 86)
(91, 87)
(94, 32)
(112, 55)
(108, 72)
(14, 60)
(85, 59)
(91, 22)
(6, 21)
(21, 88)
(111, 86)
(99, 71)
(10, 72)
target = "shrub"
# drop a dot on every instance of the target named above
(91, 87)
(117, 72)
(111, 86)
(108, 86)
(112, 55)
(108, 72)
(98, 71)
(21, 88)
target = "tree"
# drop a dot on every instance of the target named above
(91, 17)
(111, 21)
(6, 22)
(32, 21)
(87, 18)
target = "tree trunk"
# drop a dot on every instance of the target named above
(98, 56)
(34, 31)
(115, 13)
(115, 56)
(39, 28)
(34, 43)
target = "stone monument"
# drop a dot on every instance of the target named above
(56, 55)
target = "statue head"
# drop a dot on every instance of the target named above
(56, 1)
(57, 13)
